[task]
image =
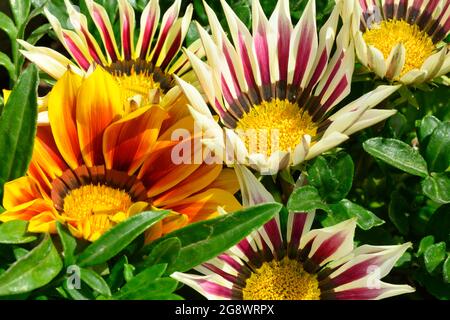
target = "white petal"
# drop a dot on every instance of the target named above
(333, 140)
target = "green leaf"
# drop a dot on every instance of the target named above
(427, 126)
(437, 152)
(8, 26)
(95, 281)
(434, 285)
(397, 154)
(115, 278)
(20, 252)
(39, 33)
(7, 63)
(165, 252)
(446, 269)
(147, 284)
(332, 176)
(306, 199)
(437, 187)
(15, 232)
(346, 209)
(69, 244)
(424, 244)
(20, 10)
(18, 128)
(433, 256)
(397, 124)
(398, 212)
(118, 237)
(204, 240)
(33, 271)
(439, 224)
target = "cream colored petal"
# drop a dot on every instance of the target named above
(333, 140)
(396, 61)
(369, 118)
(376, 61)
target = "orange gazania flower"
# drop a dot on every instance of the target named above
(101, 159)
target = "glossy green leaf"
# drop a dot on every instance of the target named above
(33, 271)
(146, 284)
(397, 154)
(39, 33)
(6, 62)
(8, 26)
(15, 232)
(165, 252)
(20, 10)
(439, 224)
(118, 237)
(398, 212)
(18, 127)
(437, 187)
(204, 240)
(332, 176)
(69, 244)
(437, 152)
(95, 281)
(446, 269)
(434, 255)
(346, 209)
(424, 244)
(116, 279)
(427, 126)
(306, 199)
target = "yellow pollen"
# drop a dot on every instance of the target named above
(385, 36)
(281, 280)
(276, 125)
(139, 84)
(91, 200)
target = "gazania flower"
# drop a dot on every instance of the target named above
(296, 263)
(144, 69)
(275, 89)
(98, 162)
(401, 40)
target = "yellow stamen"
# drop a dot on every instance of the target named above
(385, 36)
(276, 125)
(91, 200)
(281, 280)
(139, 84)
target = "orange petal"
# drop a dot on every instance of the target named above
(174, 222)
(99, 103)
(62, 115)
(227, 180)
(43, 222)
(20, 191)
(204, 205)
(154, 232)
(129, 141)
(197, 181)
(27, 211)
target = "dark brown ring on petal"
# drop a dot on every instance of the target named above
(127, 67)
(98, 175)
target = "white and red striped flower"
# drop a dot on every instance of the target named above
(296, 263)
(283, 82)
(401, 40)
(144, 68)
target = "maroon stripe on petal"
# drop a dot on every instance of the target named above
(76, 52)
(262, 54)
(353, 294)
(126, 37)
(322, 63)
(303, 55)
(149, 26)
(353, 273)
(246, 249)
(220, 272)
(91, 46)
(108, 41)
(414, 11)
(215, 289)
(172, 51)
(402, 8)
(328, 247)
(426, 15)
(273, 233)
(248, 71)
(441, 32)
(162, 39)
(388, 9)
(298, 225)
(284, 39)
(230, 261)
(340, 88)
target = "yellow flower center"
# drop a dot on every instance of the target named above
(92, 199)
(281, 280)
(385, 36)
(141, 78)
(276, 125)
